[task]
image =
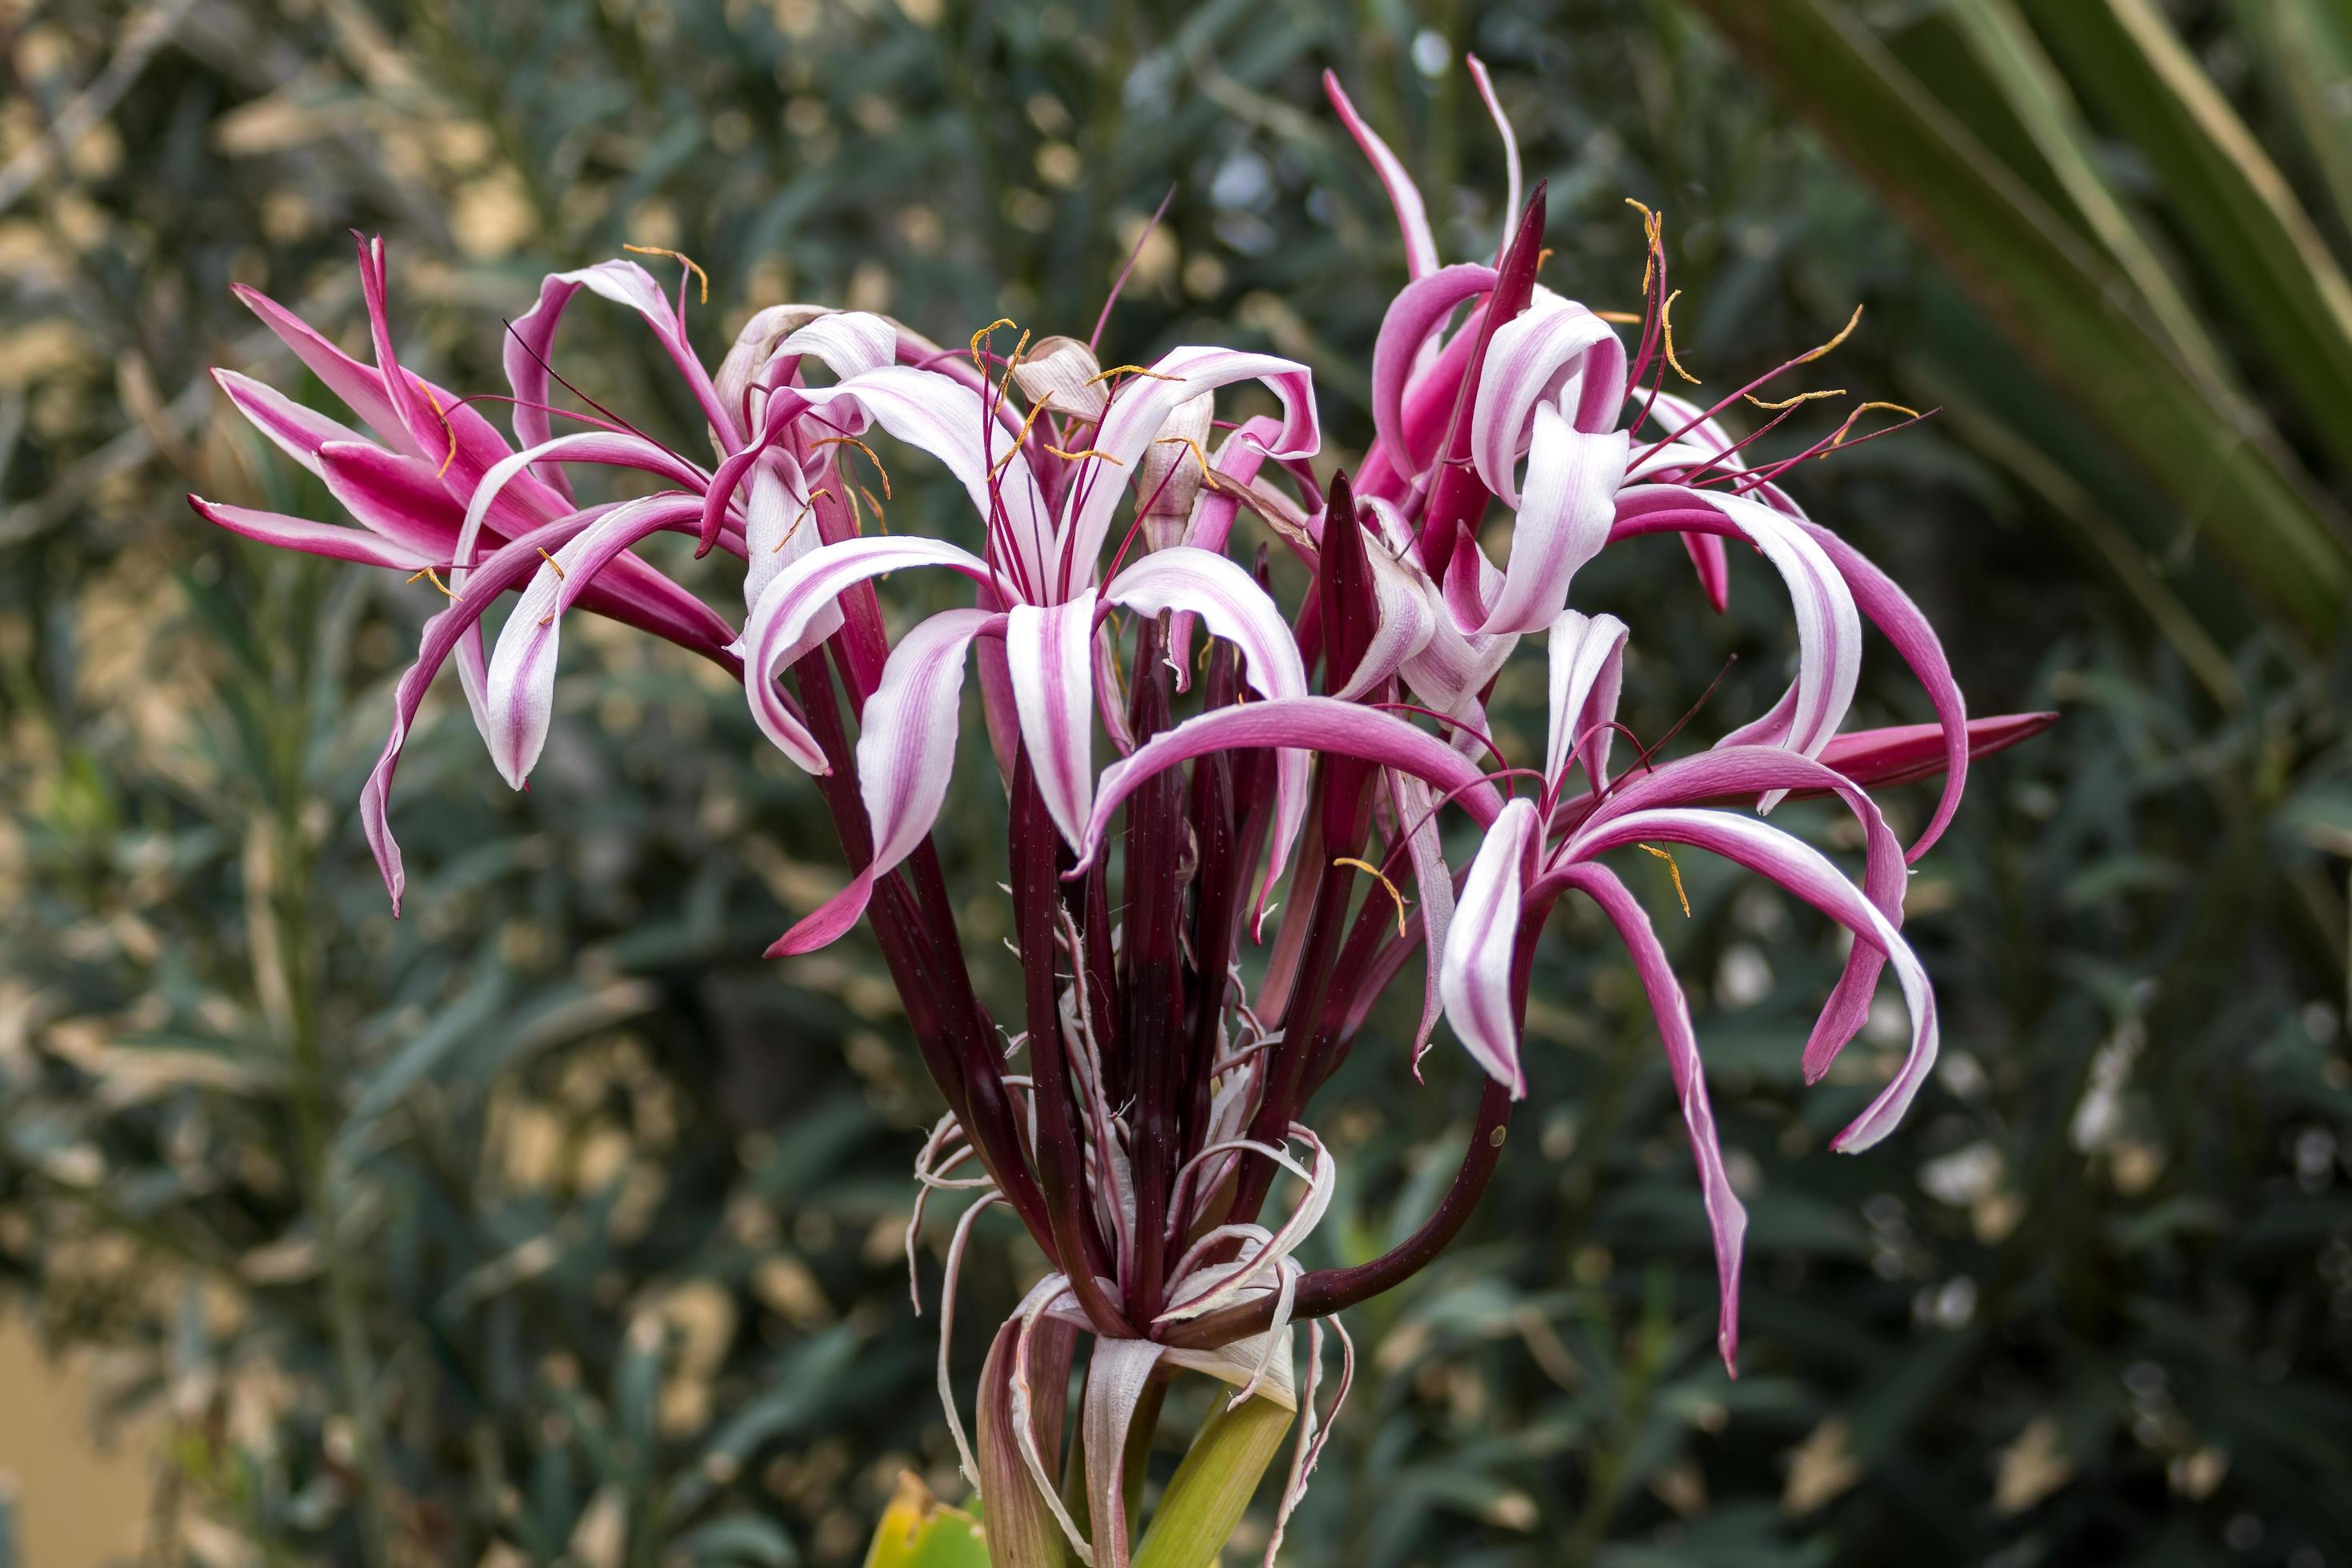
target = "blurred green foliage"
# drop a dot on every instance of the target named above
(550, 1220)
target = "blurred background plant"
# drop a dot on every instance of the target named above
(551, 1222)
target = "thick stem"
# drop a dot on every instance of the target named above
(1153, 988)
(1061, 1165)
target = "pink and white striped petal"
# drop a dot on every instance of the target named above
(1726, 1217)
(788, 621)
(1412, 217)
(1047, 648)
(1588, 670)
(1564, 519)
(330, 540)
(1474, 979)
(295, 430)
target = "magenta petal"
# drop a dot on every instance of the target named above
(1310, 724)
(829, 921)
(443, 635)
(1806, 872)
(314, 537)
(1726, 1219)
(1420, 309)
(1905, 753)
(359, 385)
(1412, 217)
(296, 431)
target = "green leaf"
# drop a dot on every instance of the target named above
(2053, 294)
(2237, 214)
(917, 1531)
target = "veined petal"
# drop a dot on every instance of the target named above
(1137, 414)
(1066, 372)
(1412, 218)
(1407, 618)
(747, 357)
(905, 756)
(313, 538)
(1116, 1376)
(626, 284)
(1726, 1218)
(1731, 772)
(1046, 648)
(1420, 309)
(445, 634)
(783, 622)
(604, 447)
(1474, 979)
(295, 430)
(944, 417)
(780, 524)
(521, 695)
(1564, 520)
(1905, 753)
(848, 342)
(1588, 669)
(1309, 723)
(395, 496)
(1806, 872)
(1019, 1523)
(1829, 627)
(1556, 353)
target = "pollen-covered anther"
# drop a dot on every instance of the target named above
(1089, 452)
(1102, 375)
(1208, 474)
(1675, 872)
(1027, 422)
(1793, 402)
(677, 256)
(430, 576)
(1381, 876)
(1809, 355)
(978, 355)
(553, 561)
(1621, 318)
(806, 507)
(1666, 325)
(854, 441)
(1847, 428)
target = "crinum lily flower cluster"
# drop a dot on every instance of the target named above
(1140, 1111)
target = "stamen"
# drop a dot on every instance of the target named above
(1381, 876)
(1089, 452)
(551, 560)
(1208, 474)
(854, 441)
(880, 520)
(807, 507)
(1675, 871)
(1128, 370)
(679, 256)
(1844, 332)
(548, 620)
(1793, 402)
(437, 414)
(979, 357)
(1667, 323)
(1543, 255)
(1021, 441)
(1846, 428)
(435, 578)
(1623, 318)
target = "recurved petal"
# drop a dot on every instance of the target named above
(1588, 669)
(1414, 317)
(1563, 520)
(1474, 978)
(787, 621)
(1726, 1218)
(1412, 217)
(1554, 353)
(1806, 872)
